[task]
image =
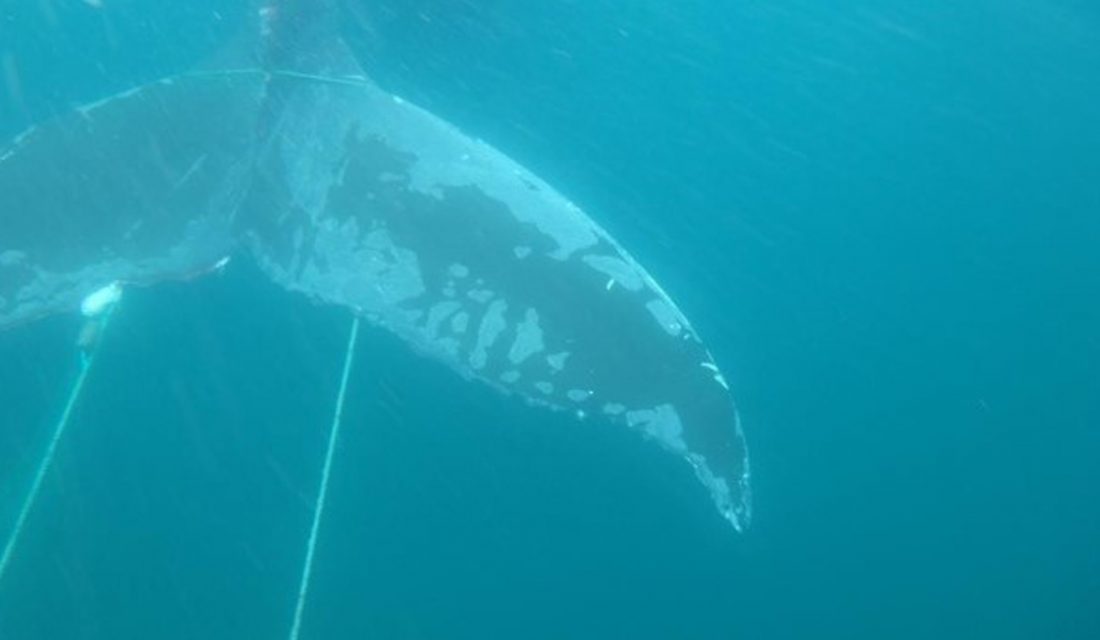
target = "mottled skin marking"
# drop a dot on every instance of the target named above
(628, 346)
(352, 198)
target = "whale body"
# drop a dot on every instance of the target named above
(351, 196)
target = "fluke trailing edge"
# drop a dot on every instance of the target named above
(351, 196)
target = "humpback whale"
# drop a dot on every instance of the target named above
(349, 195)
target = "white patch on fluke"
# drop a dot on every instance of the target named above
(528, 338)
(718, 377)
(100, 300)
(578, 395)
(666, 315)
(617, 269)
(662, 423)
(492, 325)
(557, 361)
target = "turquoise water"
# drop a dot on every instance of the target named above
(883, 218)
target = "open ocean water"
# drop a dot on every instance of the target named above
(883, 217)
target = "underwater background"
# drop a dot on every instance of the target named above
(882, 216)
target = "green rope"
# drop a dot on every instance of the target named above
(326, 471)
(86, 361)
